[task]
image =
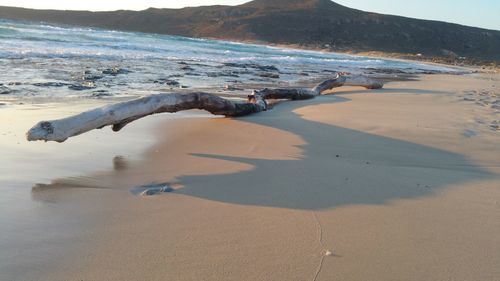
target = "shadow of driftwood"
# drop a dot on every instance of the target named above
(339, 167)
(356, 168)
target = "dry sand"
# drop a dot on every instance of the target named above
(397, 184)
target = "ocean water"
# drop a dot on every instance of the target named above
(42, 60)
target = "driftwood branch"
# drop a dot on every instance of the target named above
(120, 114)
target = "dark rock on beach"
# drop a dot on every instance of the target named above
(172, 83)
(330, 71)
(187, 68)
(222, 74)
(169, 82)
(101, 94)
(92, 77)
(51, 84)
(115, 71)
(83, 86)
(266, 68)
(270, 68)
(5, 90)
(232, 88)
(269, 75)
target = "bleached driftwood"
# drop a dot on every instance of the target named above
(120, 114)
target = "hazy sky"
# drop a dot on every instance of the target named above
(482, 13)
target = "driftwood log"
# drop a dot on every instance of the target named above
(120, 114)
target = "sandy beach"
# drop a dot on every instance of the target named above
(401, 183)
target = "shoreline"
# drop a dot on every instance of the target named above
(391, 182)
(482, 67)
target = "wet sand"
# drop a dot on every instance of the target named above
(397, 184)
